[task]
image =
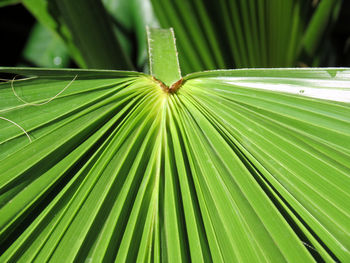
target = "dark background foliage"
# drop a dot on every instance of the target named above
(16, 24)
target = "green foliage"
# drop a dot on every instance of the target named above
(226, 34)
(45, 49)
(8, 2)
(240, 165)
(245, 33)
(243, 165)
(326, 12)
(89, 37)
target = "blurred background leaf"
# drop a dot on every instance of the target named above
(130, 18)
(240, 33)
(325, 15)
(224, 34)
(87, 30)
(45, 49)
(9, 2)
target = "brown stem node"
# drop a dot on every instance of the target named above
(173, 88)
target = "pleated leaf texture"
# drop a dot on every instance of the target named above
(246, 33)
(245, 165)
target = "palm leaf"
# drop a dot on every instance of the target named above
(235, 165)
(235, 34)
(246, 33)
(215, 35)
(238, 165)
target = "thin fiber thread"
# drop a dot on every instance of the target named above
(176, 52)
(33, 104)
(150, 58)
(19, 126)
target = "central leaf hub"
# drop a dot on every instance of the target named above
(173, 88)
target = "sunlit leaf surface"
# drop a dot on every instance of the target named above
(236, 166)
